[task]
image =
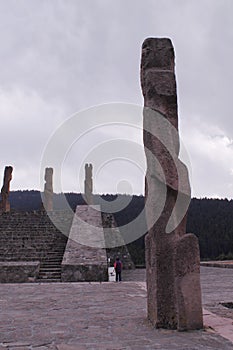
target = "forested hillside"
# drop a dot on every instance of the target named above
(210, 219)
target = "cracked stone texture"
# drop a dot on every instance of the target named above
(85, 316)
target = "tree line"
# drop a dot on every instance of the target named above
(210, 219)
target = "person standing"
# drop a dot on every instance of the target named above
(118, 268)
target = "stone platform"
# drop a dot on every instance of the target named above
(85, 258)
(81, 316)
(224, 263)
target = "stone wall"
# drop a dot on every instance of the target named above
(19, 271)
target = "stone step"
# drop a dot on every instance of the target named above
(45, 270)
(49, 275)
(32, 236)
(49, 263)
(59, 250)
(29, 257)
(53, 256)
(52, 259)
(50, 272)
(58, 253)
(48, 280)
(48, 258)
(50, 268)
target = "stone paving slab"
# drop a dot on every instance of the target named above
(217, 287)
(221, 325)
(106, 316)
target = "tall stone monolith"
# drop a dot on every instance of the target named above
(5, 204)
(88, 184)
(172, 256)
(48, 189)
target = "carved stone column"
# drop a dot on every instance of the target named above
(172, 256)
(88, 184)
(5, 204)
(48, 189)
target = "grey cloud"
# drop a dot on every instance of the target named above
(75, 54)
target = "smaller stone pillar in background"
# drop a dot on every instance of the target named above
(48, 189)
(5, 204)
(88, 184)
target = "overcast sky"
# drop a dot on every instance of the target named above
(61, 57)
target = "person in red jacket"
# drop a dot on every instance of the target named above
(118, 267)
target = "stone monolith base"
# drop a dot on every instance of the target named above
(173, 283)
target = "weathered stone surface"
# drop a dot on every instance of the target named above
(19, 271)
(115, 244)
(48, 189)
(88, 184)
(85, 257)
(77, 316)
(172, 257)
(30, 236)
(5, 204)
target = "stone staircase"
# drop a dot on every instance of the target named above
(29, 241)
(50, 267)
(31, 236)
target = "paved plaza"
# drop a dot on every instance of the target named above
(78, 316)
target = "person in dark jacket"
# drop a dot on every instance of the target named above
(118, 269)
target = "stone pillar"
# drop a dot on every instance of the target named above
(88, 184)
(172, 256)
(48, 189)
(5, 204)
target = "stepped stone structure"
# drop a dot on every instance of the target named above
(85, 258)
(115, 243)
(31, 247)
(88, 184)
(5, 204)
(172, 256)
(48, 189)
